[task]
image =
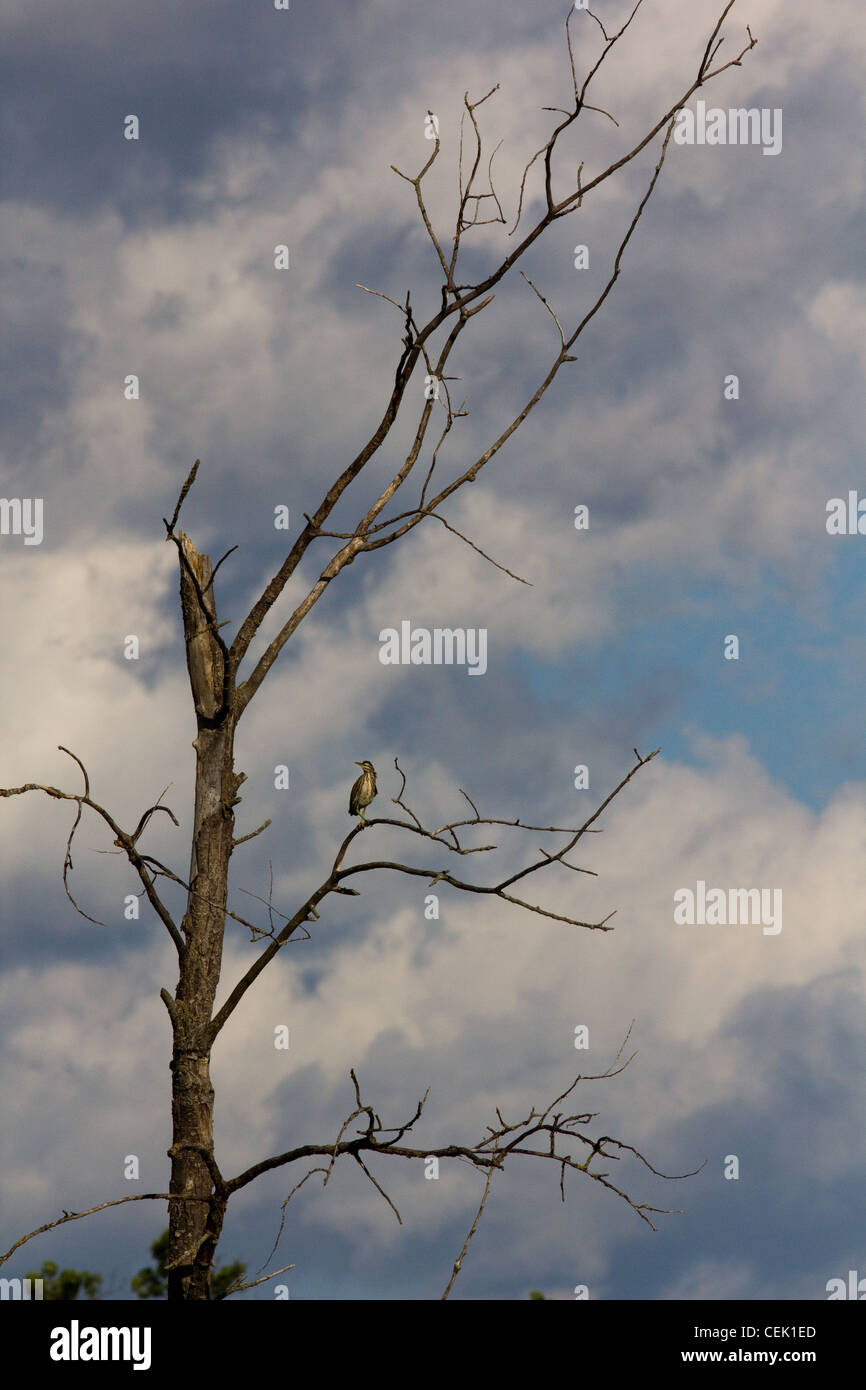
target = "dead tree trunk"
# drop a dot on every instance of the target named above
(195, 1226)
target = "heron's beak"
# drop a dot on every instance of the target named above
(359, 764)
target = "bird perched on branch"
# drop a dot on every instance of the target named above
(363, 791)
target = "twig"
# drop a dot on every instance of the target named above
(239, 1288)
(170, 525)
(473, 1228)
(77, 1215)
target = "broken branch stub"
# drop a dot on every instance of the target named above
(198, 605)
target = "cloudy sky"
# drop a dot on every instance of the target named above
(154, 257)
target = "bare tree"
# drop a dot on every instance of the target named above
(221, 692)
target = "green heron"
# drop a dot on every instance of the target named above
(363, 791)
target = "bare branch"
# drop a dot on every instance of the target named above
(334, 883)
(488, 1154)
(544, 860)
(146, 817)
(359, 1160)
(239, 1288)
(416, 184)
(252, 835)
(455, 300)
(124, 841)
(170, 525)
(547, 307)
(76, 759)
(229, 552)
(478, 550)
(563, 356)
(170, 1004)
(458, 1263)
(380, 295)
(78, 1215)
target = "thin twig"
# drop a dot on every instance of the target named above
(458, 1263)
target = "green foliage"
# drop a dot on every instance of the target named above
(150, 1282)
(66, 1285)
(536, 1293)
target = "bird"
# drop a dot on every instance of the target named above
(363, 791)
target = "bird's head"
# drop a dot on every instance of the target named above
(368, 767)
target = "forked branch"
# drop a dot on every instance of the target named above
(125, 841)
(459, 302)
(550, 1135)
(448, 837)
